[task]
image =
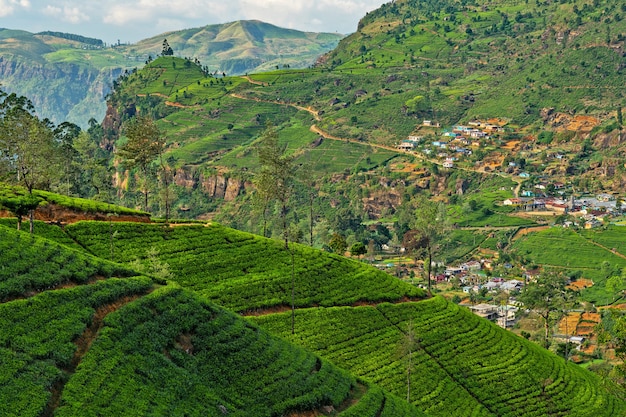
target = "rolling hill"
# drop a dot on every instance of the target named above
(89, 336)
(77, 72)
(536, 70)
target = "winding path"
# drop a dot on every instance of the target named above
(316, 129)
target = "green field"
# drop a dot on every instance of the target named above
(121, 344)
(221, 264)
(462, 365)
(84, 337)
(569, 251)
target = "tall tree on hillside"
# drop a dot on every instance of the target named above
(167, 171)
(145, 144)
(429, 226)
(167, 49)
(275, 183)
(95, 174)
(65, 134)
(409, 343)
(545, 296)
(276, 180)
(28, 149)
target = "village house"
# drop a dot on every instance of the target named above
(406, 146)
(486, 311)
(592, 224)
(477, 134)
(512, 285)
(507, 316)
(471, 266)
(515, 201)
(556, 205)
(493, 128)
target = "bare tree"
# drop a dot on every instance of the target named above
(409, 344)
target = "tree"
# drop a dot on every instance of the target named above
(145, 143)
(612, 330)
(338, 243)
(20, 206)
(166, 50)
(153, 266)
(545, 296)
(92, 162)
(28, 150)
(358, 249)
(616, 285)
(429, 225)
(410, 342)
(276, 180)
(275, 183)
(65, 135)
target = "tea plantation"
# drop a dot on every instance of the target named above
(241, 271)
(80, 336)
(462, 365)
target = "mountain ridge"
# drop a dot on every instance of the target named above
(68, 76)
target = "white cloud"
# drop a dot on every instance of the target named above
(323, 15)
(66, 13)
(139, 19)
(8, 7)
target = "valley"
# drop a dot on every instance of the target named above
(422, 218)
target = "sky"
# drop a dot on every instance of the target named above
(131, 21)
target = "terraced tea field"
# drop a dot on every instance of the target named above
(462, 364)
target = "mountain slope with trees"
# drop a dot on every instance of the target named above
(526, 67)
(77, 72)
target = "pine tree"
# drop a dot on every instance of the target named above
(167, 49)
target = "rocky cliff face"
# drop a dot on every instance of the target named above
(215, 186)
(59, 92)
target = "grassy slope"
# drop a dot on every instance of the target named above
(589, 252)
(462, 365)
(105, 347)
(32, 264)
(241, 271)
(518, 59)
(462, 362)
(364, 340)
(72, 203)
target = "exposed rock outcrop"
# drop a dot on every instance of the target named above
(215, 186)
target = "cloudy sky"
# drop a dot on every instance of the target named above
(130, 21)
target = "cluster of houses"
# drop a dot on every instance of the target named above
(593, 211)
(453, 144)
